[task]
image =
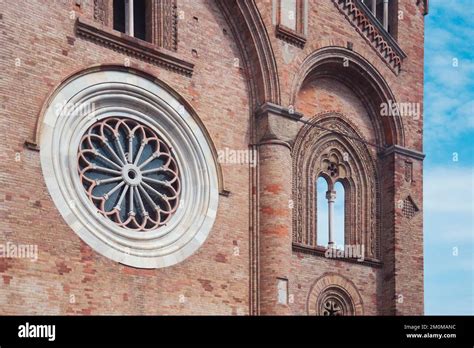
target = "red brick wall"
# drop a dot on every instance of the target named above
(215, 279)
(402, 273)
(70, 278)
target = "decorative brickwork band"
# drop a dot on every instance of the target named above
(163, 15)
(382, 42)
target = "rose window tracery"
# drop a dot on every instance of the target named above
(334, 301)
(129, 173)
(332, 308)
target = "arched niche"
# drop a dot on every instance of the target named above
(361, 77)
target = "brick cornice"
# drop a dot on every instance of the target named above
(370, 28)
(132, 47)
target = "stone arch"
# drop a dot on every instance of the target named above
(317, 145)
(362, 78)
(254, 43)
(102, 67)
(333, 282)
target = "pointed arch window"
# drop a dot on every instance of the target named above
(336, 190)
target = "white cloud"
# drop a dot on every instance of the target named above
(449, 190)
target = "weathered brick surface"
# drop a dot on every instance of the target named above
(39, 49)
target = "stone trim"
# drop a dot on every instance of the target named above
(278, 110)
(400, 150)
(163, 23)
(364, 23)
(250, 33)
(131, 46)
(290, 36)
(101, 8)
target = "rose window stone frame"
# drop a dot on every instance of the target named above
(93, 96)
(332, 292)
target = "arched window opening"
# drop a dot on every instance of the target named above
(322, 226)
(339, 215)
(335, 182)
(330, 222)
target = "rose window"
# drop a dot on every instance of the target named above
(334, 301)
(129, 173)
(332, 308)
(130, 167)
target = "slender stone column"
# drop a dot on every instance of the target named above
(129, 25)
(331, 197)
(277, 127)
(385, 14)
(374, 7)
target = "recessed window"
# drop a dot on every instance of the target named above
(336, 186)
(130, 17)
(290, 18)
(322, 225)
(288, 13)
(282, 288)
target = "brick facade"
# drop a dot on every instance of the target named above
(252, 90)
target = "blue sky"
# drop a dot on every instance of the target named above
(449, 163)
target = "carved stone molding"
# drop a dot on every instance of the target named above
(385, 46)
(314, 150)
(290, 36)
(251, 35)
(132, 47)
(403, 151)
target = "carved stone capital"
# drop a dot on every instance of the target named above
(331, 196)
(276, 124)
